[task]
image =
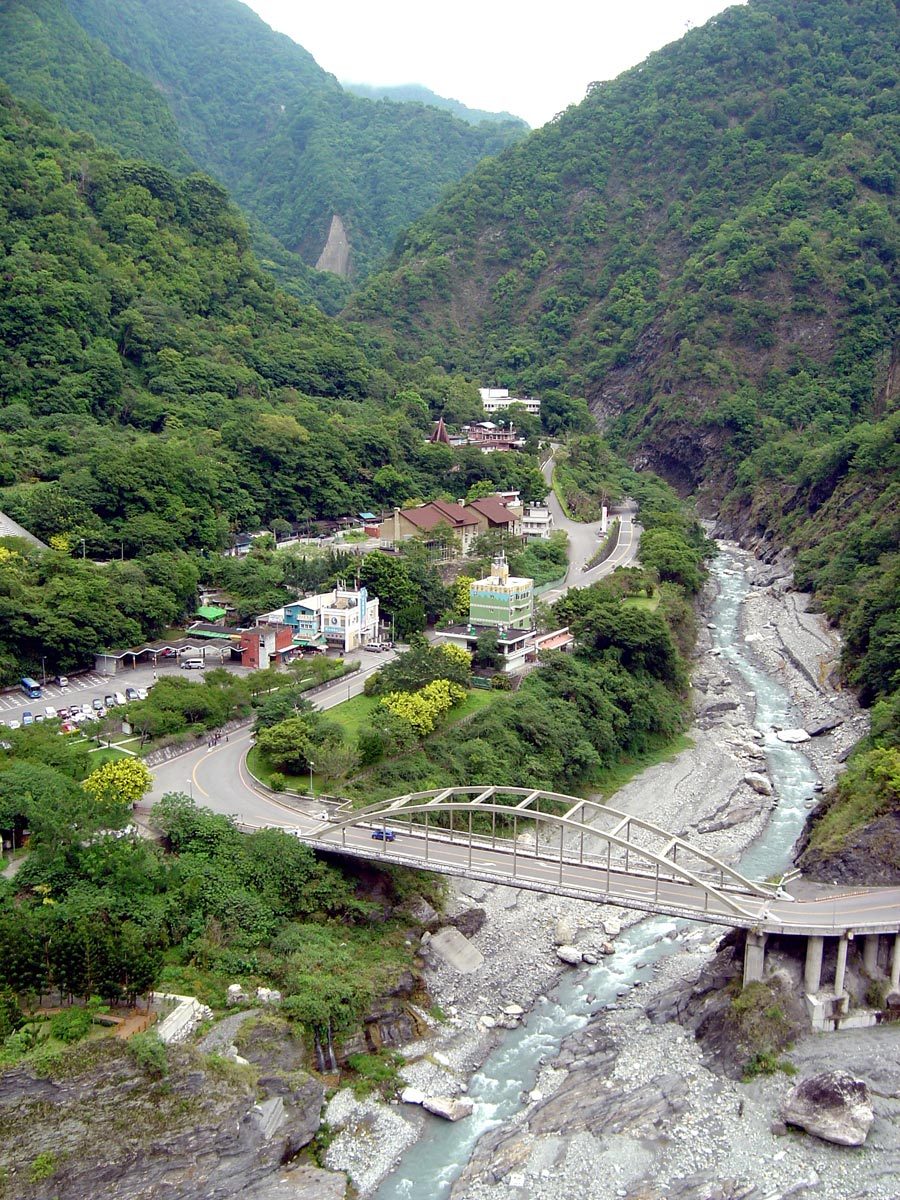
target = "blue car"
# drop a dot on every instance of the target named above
(384, 835)
(27, 718)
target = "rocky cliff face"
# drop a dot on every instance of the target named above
(98, 1124)
(870, 855)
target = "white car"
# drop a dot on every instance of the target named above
(142, 693)
(15, 724)
(50, 712)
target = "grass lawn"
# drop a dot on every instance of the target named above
(353, 715)
(646, 603)
(105, 755)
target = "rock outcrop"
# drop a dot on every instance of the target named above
(126, 1134)
(833, 1106)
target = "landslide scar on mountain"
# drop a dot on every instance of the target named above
(335, 256)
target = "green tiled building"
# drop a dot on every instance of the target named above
(502, 599)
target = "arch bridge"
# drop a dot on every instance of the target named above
(551, 842)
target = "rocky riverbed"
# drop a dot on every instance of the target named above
(628, 1108)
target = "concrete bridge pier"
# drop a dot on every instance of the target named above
(812, 977)
(870, 954)
(840, 969)
(895, 965)
(754, 957)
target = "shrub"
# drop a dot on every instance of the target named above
(375, 1072)
(149, 1053)
(72, 1024)
(277, 781)
(43, 1167)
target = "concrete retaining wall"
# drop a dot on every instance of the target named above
(184, 1018)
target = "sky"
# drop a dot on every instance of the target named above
(532, 60)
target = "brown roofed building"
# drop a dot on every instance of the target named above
(494, 514)
(427, 518)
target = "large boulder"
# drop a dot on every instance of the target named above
(469, 922)
(792, 737)
(759, 783)
(451, 1108)
(565, 932)
(569, 954)
(833, 1106)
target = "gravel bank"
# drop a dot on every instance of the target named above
(712, 1133)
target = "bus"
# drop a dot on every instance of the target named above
(31, 688)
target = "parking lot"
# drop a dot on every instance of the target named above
(85, 688)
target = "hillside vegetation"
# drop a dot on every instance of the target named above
(415, 93)
(705, 250)
(255, 110)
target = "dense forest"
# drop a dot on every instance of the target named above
(157, 389)
(251, 107)
(705, 250)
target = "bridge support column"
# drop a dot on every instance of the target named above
(870, 954)
(754, 957)
(812, 978)
(895, 965)
(840, 969)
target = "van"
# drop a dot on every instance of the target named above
(191, 664)
(118, 697)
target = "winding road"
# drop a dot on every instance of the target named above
(218, 778)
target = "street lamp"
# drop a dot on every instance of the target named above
(311, 765)
(44, 669)
(82, 547)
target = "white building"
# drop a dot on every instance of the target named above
(498, 399)
(537, 522)
(344, 618)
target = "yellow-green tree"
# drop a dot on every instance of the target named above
(121, 782)
(460, 593)
(456, 654)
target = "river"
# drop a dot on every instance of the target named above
(509, 1072)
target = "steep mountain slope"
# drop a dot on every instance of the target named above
(705, 249)
(156, 389)
(255, 110)
(47, 57)
(415, 93)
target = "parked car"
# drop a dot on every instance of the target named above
(131, 693)
(119, 698)
(191, 664)
(96, 704)
(142, 693)
(373, 647)
(50, 712)
(15, 724)
(68, 727)
(61, 681)
(27, 717)
(109, 701)
(62, 714)
(384, 835)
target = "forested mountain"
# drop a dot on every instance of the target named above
(253, 109)
(704, 249)
(415, 93)
(157, 390)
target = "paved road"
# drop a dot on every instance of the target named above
(584, 538)
(219, 779)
